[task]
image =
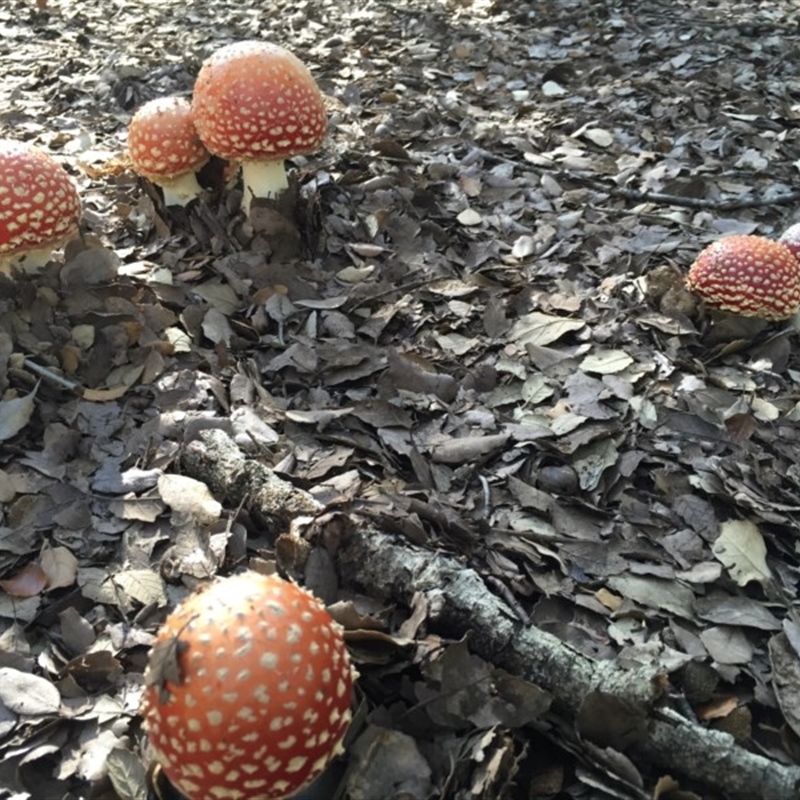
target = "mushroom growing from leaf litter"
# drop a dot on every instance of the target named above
(257, 103)
(248, 690)
(164, 148)
(747, 275)
(39, 206)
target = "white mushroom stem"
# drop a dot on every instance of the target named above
(180, 190)
(262, 179)
(28, 262)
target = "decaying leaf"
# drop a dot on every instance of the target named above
(27, 582)
(60, 566)
(385, 762)
(656, 593)
(15, 414)
(27, 694)
(542, 329)
(741, 548)
(127, 774)
(786, 668)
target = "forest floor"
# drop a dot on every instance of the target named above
(452, 338)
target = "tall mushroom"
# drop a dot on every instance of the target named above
(248, 690)
(164, 148)
(257, 103)
(747, 275)
(39, 206)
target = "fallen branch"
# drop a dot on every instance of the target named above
(460, 603)
(684, 201)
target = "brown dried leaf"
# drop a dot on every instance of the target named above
(60, 566)
(29, 581)
(15, 414)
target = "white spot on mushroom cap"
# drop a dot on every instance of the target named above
(296, 764)
(268, 659)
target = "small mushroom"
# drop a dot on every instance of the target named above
(164, 148)
(257, 103)
(747, 275)
(248, 690)
(39, 206)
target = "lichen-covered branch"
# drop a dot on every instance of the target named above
(460, 603)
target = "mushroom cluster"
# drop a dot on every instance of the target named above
(39, 206)
(248, 690)
(748, 275)
(254, 103)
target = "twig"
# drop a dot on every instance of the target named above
(53, 377)
(392, 569)
(662, 198)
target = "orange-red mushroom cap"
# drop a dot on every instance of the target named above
(748, 275)
(248, 690)
(257, 103)
(164, 148)
(256, 100)
(39, 204)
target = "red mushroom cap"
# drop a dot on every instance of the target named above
(790, 239)
(257, 101)
(747, 275)
(248, 690)
(164, 147)
(39, 204)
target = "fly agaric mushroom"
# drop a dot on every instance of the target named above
(257, 103)
(747, 275)
(164, 148)
(39, 206)
(248, 690)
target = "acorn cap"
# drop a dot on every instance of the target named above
(747, 275)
